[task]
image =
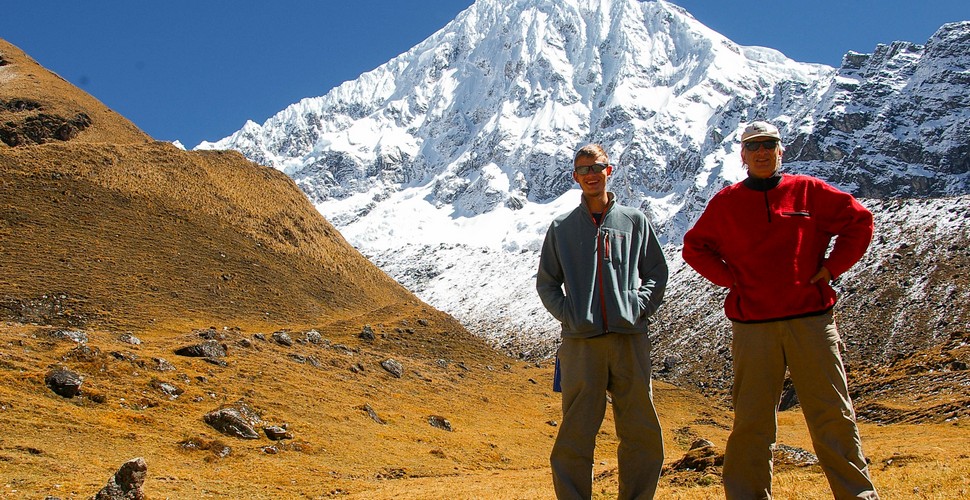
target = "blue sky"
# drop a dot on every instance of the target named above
(196, 70)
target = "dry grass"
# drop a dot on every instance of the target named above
(111, 233)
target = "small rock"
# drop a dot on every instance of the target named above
(128, 338)
(783, 454)
(393, 367)
(277, 433)
(207, 349)
(127, 483)
(372, 414)
(367, 333)
(283, 338)
(439, 422)
(313, 337)
(237, 420)
(63, 382)
(72, 335)
(160, 364)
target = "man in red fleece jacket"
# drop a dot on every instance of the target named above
(765, 239)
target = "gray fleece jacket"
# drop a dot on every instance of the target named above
(614, 273)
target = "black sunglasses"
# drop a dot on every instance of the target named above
(596, 168)
(755, 145)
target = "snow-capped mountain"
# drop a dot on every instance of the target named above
(446, 164)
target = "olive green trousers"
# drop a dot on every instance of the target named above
(620, 364)
(810, 348)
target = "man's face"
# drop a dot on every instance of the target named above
(593, 183)
(762, 163)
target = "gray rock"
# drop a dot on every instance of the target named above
(72, 335)
(207, 349)
(128, 338)
(238, 420)
(127, 483)
(277, 433)
(782, 454)
(394, 367)
(313, 337)
(282, 338)
(439, 422)
(372, 414)
(367, 333)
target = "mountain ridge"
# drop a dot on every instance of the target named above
(457, 211)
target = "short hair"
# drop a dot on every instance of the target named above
(591, 150)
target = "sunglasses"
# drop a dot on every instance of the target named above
(595, 168)
(755, 145)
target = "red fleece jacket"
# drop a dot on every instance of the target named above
(766, 246)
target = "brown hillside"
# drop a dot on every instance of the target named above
(117, 251)
(103, 226)
(37, 106)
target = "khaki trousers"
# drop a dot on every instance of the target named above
(620, 364)
(810, 349)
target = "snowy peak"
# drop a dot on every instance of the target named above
(487, 111)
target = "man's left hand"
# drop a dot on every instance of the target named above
(822, 274)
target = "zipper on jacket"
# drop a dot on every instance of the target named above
(767, 206)
(603, 247)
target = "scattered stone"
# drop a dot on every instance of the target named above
(246, 343)
(270, 450)
(218, 448)
(553, 423)
(170, 390)
(701, 456)
(277, 433)
(423, 322)
(84, 353)
(345, 349)
(283, 338)
(161, 365)
(63, 382)
(207, 349)
(73, 335)
(237, 420)
(439, 422)
(259, 336)
(782, 454)
(367, 333)
(128, 338)
(123, 356)
(127, 483)
(372, 414)
(701, 443)
(394, 367)
(210, 333)
(313, 337)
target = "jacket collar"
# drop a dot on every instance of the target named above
(609, 204)
(759, 184)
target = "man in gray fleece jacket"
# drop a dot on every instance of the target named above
(602, 273)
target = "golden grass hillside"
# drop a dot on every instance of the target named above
(116, 251)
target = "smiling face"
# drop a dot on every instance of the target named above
(593, 183)
(762, 163)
